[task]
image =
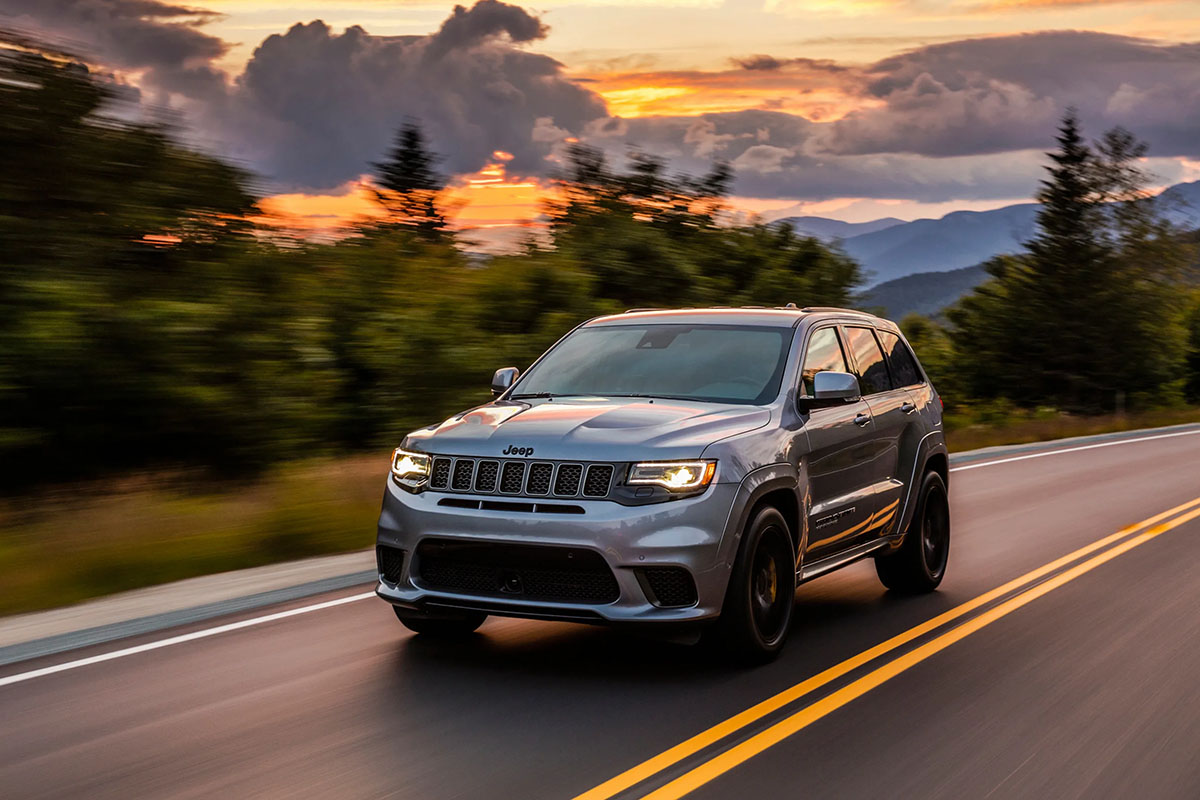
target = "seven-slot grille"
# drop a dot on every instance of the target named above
(528, 478)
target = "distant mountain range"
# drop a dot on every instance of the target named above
(889, 249)
(830, 229)
(923, 293)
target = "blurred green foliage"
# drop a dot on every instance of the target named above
(1092, 317)
(147, 320)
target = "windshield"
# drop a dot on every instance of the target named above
(709, 363)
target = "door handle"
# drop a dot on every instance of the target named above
(862, 419)
(908, 408)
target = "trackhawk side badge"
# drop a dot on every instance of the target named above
(832, 518)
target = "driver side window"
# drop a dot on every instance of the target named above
(824, 354)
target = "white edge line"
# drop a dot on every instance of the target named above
(186, 637)
(1073, 450)
(249, 623)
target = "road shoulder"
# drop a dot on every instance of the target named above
(42, 633)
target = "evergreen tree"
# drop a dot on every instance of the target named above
(408, 185)
(1089, 317)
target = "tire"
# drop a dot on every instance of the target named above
(919, 564)
(441, 627)
(758, 605)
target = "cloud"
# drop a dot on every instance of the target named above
(781, 156)
(486, 20)
(963, 119)
(1008, 93)
(765, 63)
(314, 107)
(762, 158)
(161, 40)
(759, 62)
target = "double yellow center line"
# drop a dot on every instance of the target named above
(1100, 552)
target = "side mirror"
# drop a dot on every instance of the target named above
(503, 379)
(828, 386)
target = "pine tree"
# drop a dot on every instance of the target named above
(1089, 317)
(408, 185)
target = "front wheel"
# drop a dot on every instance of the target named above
(919, 564)
(762, 592)
(441, 627)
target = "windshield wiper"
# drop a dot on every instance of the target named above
(652, 396)
(543, 395)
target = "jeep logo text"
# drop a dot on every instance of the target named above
(517, 451)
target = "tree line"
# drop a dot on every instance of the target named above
(1099, 313)
(149, 320)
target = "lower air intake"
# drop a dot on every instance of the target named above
(527, 572)
(670, 587)
(390, 561)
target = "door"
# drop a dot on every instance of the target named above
(840, 439)
(891, 409)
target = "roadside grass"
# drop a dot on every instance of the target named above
(62, 546)
(975, 429)
(65, 545)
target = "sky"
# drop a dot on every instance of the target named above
(852, 109)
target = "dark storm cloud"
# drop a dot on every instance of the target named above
(960, 120)
(955, 120)
(1008, 92)
(779, 155)
(315, 107)
(161, 39)
(485, 20)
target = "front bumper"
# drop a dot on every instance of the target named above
(692, 533)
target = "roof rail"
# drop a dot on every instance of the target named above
(811, 309)
(638, 310)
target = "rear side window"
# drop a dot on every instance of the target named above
(824, 354)
(872, 369)
(904, 367)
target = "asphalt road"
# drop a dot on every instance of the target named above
(1081, 681)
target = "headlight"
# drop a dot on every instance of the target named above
(676, 476)
(408, 468)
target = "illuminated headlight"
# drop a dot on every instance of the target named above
(410, 469)
(676, 476)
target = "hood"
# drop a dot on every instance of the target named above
(589, 429)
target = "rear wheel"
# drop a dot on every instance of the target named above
(762, 592)
(919, 564)
(445, 627)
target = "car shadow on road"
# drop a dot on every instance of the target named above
(519, 687)
(837, 616)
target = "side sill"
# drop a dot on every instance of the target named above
(838, 560)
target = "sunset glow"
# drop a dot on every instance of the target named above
(839, 107)
(485, 199)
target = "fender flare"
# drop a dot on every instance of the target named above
(757, 484)
(926, 449)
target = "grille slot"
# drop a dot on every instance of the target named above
(512, 477)
(599, 476)
(527, 572)
(491, 476)
(440, 476)
(539, 478)
(670, 587)
(464, 468)
(390, 561)
(566, 483)
(485, 476)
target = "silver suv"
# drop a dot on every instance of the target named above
(674, 468)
